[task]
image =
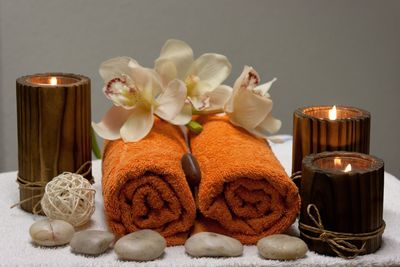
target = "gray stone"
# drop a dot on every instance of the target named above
(208, 244)
(91, 242)
(143, 245)
(282, 247)
(51, 232)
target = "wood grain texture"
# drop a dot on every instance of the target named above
(315, 133)
(347, 202)
(53, 129)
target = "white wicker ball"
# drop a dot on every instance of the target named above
(69, 197)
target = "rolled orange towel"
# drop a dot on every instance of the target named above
(144, 186)
(244, 191)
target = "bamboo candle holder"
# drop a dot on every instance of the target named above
(54, 120)
(343, 191)
(314, 131)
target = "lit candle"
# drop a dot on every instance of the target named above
(53, 80)
(346, 189)
(329, 128)
(333, 113)
(338, 163)
(348, 168)
(54, 123)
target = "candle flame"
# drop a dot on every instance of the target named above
(348, 168)
(53, 81)
(337, 162)
(332, 113)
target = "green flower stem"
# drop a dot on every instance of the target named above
(207, 112)
(95, 146)
(195, 127)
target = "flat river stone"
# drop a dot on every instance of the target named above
(207, 244)
(51, 233)
(282, 247)
(91, 242)
(143, 245)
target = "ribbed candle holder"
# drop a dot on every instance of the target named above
(314, 131)
(54, 122)
(342, 203)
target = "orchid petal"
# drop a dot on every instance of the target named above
(200, 89)
(264, 88)
(211, 68)
(270, 125)
(229, 104)
(200, 102)
(148, 83)
(167, 70)
(117, 67)
(109, 127)
(179, 54)
(138, 125)
(171, 101)
(242, 77)
(236, 86)
(249, 110)
(219, 96)
(198, 97)
(184, 116)
(239, 85)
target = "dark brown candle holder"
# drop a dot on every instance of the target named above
(347, 205)
(314, 132)
(54, 122)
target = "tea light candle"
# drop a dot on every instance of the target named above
(346, 189)
(54, 123)
(329, 128)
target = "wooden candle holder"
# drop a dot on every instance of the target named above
(54, 123)
(314, 132)
(349, 203)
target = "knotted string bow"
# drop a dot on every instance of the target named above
(339, 242)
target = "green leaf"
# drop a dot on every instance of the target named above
(195, 127)
(95, 146)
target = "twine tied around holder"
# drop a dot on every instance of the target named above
(295, 176)
(339, 242)
(40, 185)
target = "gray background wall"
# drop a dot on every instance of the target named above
(323, 52)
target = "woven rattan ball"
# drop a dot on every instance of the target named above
(69, 197)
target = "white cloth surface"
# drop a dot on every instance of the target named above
(16, 248)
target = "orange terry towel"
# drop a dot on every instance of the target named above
(144, 186)
(244, 191)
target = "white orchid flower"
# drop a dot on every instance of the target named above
(250, 105)
(203, 77)
(137, 93)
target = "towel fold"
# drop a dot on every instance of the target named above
(144, 186)
(244, 191)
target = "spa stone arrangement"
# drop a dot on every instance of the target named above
(186, 162)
